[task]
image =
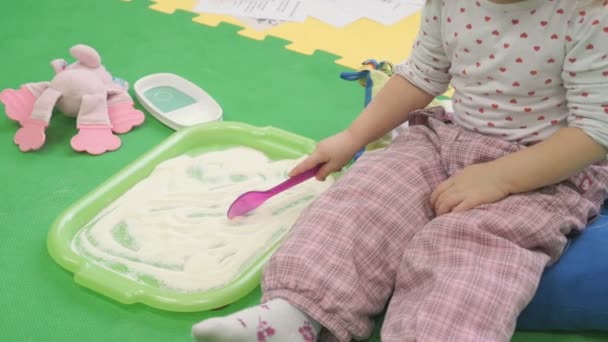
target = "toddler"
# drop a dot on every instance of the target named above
(448, 229)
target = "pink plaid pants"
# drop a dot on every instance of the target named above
(373, 240)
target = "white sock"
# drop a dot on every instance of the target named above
(274, 321)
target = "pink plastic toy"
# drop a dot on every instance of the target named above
(84, 90)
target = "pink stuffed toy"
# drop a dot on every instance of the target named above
(84, 90)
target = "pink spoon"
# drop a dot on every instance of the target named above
(248, 201)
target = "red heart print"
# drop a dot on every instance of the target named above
(516, 84)
(515, 21)
(506, 45)
(527, 109)
(469, 26)
(519, 60)
(543, 23)
(494, 105)
(533, 72)
(536, 48)
(540, 118)
(490, 124)
(502, 69)
(514, 101)
(531, 93)
(590, 47)
(560, 11)
(508, 118)
(479, 41)
(554, 122)
(487, 18)
(495, 32)
(548, 81)
(554, 36)
(524, 35)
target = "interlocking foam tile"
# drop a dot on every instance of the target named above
(354, 43)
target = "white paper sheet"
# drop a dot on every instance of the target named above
(260, 24)
(387, 12)
(265, 14)
(337, 13)
(291, 10)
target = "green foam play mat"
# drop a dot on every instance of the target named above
(256, 82)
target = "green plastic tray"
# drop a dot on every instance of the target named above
(275, 143)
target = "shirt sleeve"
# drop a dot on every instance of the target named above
(585, 72)
(428, 66)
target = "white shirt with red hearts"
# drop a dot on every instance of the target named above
(519, 71)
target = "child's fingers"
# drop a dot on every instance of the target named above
(439, 190)
(325, 171)
(464, 206)
(306, 164)
(446, 202)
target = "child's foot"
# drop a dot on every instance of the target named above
(276, 320)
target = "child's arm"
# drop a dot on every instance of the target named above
(389, 109)
(417, 80)
(557, 158)
(564, 154)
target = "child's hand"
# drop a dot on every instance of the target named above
(473, 186)
(335, 151)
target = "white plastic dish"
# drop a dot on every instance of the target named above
(175, 101)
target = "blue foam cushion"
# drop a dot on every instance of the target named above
(573, 293)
